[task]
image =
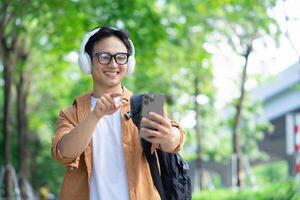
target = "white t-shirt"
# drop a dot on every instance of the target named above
(109, 178)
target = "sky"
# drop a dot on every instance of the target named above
(266, 60)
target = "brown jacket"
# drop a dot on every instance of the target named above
(78, 170)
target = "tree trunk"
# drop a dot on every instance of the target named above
(237, 120)
(198, 133)
(22, 124)
(7, 76)
(22, 133)
(9, 57)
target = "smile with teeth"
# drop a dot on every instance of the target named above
(111, 73)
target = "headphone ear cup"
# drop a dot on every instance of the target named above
(130, 65)
(131, 59)
(85, 63)
(84, 59)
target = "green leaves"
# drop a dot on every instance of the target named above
(170, 39)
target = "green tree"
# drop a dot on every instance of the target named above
(169, 37)
(53, 82)
(242, 23)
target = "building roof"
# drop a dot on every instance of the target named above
(279, 95)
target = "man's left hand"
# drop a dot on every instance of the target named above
(158, 130)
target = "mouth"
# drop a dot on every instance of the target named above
(111, 74)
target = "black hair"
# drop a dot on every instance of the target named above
(105, 32)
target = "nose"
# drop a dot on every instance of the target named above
(113, 63)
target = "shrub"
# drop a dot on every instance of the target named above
(279, 191)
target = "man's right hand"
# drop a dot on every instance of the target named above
(106, 104)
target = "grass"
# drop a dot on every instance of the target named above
(280, 191)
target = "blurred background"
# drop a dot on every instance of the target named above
(230, 70)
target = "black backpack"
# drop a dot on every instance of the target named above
(174, 183)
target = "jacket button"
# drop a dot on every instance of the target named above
(72, 168)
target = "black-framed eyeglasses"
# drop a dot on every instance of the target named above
(105, 58)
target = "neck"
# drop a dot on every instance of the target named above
(98, 91)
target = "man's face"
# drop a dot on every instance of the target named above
(111, 74)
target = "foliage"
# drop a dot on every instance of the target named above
(271, 172)
(277, 191)
(170, 39)
(54, 80)
(253, 128)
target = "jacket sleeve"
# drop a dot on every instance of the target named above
(182, 136)
(65, 123)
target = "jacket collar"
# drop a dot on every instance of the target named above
(126, 95)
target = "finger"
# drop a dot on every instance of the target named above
(163, 130)
(153, 139)
(149, 133)
(106, 102)
(101, 106)
(117, 101)
(163, 120)
(114, 99)
(160, 126)
(118, 105)
(109, 98)
(143, 133)
(150, 123)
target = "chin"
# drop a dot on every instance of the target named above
(109, 83)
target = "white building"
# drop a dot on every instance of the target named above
(281, 102)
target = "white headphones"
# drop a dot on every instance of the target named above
(84, 59)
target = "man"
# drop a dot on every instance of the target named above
(99, 146)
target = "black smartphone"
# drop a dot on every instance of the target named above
(152, 103)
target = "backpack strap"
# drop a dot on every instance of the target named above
(152, 161)
(135, 114)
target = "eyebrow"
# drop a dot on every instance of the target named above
(110, 52)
